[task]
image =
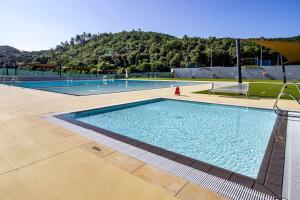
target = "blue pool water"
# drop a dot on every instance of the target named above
(231, 137)
(90, 87)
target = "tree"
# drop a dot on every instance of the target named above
(139, 51)
(72, 41)
(105, 66)
(145, 67)
(78, 39)
(176, 60)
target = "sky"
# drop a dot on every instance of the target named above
(42, 24)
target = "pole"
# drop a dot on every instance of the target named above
(60, 71)
(261, 48)
(211, 57)
(211, 63)
(283, 71)
(238, 59)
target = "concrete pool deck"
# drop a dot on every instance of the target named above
(39, 159)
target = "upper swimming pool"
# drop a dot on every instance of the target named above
(230, 137)
(91, 87)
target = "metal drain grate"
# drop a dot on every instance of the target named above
(96, 148)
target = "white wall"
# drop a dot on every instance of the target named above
(265, 72)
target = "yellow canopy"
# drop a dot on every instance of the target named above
(290, 50)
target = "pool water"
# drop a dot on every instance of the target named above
(90, 87)
(231, 137)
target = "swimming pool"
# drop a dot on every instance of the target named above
(91, 87)
(230, 137)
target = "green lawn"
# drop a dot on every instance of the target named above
(263, 90)
(258, 88)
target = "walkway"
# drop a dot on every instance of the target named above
(41, 160)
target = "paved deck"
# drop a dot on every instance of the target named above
(39, 159)
(292, 160)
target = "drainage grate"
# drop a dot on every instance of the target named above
(96, 148)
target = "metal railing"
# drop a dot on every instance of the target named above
(150, 75)
(280, 111)
(14, 79)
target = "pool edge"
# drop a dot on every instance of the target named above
(262, 184)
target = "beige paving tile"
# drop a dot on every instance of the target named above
(6, 117)
(195, 192)
(41, 121)
(97, 149)
(4, 165)
(6, 132)
(77, 140)
(124, 161)
(21, 150)
(27, 148)
(12, 187)
(76, 175)
(20, 124)
(47, 139)
(62, 132)
(165, 180)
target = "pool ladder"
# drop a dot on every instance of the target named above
(12, 78)
(283, 112)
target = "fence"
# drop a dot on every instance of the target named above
(27, 73)
(151, 75)
(263, 72)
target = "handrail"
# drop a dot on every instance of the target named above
(277, 109)
(14, 80)
(2, 78)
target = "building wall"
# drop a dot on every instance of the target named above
(264, 72)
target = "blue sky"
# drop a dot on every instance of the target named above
(41, 24)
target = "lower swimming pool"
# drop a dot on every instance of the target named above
(230, 137)
(90, 87)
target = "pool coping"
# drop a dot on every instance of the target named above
(270, 176)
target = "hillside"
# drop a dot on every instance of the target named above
(13, 55)
(138, 51)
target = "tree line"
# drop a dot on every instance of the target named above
(139, 51)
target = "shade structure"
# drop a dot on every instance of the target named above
(290, 50)
(45, 66)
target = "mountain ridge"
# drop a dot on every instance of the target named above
(138, 51)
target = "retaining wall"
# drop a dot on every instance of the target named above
(264, 72)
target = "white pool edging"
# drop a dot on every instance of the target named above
(291, 178)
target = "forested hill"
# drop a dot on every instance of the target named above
(138, 51)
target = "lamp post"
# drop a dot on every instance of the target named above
(211, 57)
(238, 60)
(283, 69)
(211, 62)
(261, 48)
